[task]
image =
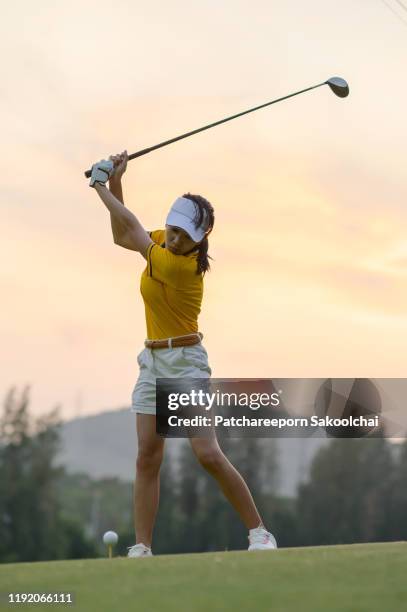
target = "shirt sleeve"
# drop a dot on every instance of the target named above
(157, 235)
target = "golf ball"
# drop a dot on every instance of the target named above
(110, 537)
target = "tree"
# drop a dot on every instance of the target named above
(190, 497)
(31, 523)
(397, 525)
(347, 497)
(167, 527)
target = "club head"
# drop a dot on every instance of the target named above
(338, 86)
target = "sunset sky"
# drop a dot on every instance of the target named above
(309, 276)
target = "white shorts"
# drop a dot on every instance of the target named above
(177, 362)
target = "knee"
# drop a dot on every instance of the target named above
(149, 459)
(211, 459)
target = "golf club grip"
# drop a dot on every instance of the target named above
(163, 144)
(132, 156)
(206, 127)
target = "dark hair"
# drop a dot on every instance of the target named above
(202, 206)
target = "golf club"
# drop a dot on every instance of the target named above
(337, 85)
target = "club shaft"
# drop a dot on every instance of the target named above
(211, 125)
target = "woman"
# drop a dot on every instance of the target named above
(172, 288)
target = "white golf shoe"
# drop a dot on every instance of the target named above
(261, 539)
(139, 550)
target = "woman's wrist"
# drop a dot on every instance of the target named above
(115, 180)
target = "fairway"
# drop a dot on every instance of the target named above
(358, 578)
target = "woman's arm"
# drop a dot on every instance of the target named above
(118, 230)
(133, 232)
(115, 186)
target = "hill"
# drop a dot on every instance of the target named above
(105, 444)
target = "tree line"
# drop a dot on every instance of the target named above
(356, 492)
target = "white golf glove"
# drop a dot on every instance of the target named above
(101, 172)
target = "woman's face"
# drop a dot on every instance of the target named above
(178, 241)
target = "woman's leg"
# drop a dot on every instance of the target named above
(147, 483)
(211, 457)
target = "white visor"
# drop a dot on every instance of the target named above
(183, 214)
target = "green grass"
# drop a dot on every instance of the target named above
(357, 578)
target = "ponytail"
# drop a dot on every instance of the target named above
(205, 211)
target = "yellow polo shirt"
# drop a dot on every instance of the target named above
(171, 289)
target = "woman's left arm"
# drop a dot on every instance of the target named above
(140, 240)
